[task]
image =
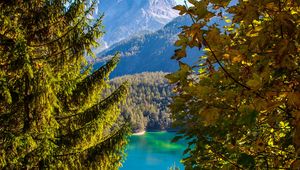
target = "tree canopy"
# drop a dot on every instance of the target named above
(240, 107)
(52, 115)
(147, 104)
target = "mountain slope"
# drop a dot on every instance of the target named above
(124, 18)
(146, 105)
(148, 52)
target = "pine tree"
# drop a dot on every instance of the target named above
(52, 114)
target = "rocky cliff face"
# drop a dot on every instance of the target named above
(125, 18)
(149, 52)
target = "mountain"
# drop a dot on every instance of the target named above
(124, 18)
(148, 52)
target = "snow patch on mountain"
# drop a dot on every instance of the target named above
(126, 18)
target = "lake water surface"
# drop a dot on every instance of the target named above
(153, 151)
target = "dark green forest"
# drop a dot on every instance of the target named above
(147, 104)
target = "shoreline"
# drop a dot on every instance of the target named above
(144, 131)
(139, 133)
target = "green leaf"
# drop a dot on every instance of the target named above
(7, 96)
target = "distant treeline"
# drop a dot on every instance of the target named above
(146, 106)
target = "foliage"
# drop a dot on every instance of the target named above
(51, 116)
(241, 109)
(146, 105)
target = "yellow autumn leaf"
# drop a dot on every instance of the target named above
(271, 142)
(252, 33)
(206, 49)
(246, 63)
(226, 56)
(228, 20)
(237, 59)
(256, 22)
(294, 12)
(230, 29)
(258, 28)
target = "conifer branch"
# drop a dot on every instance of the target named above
(58, 20)
(97, 112)
(103, 140)
(85, 87)
(92, 113)
(72, 46)
(70, 30)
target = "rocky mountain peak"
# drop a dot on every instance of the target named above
(126, 18)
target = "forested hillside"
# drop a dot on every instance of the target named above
(146, 106)
(149, 52)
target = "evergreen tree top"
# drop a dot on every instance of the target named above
(51, 111)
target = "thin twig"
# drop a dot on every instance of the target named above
(281, 28)
(219, 63)
(193, 19)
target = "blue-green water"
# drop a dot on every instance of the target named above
(153, 151)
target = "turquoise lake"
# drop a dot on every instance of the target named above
(153, 151)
